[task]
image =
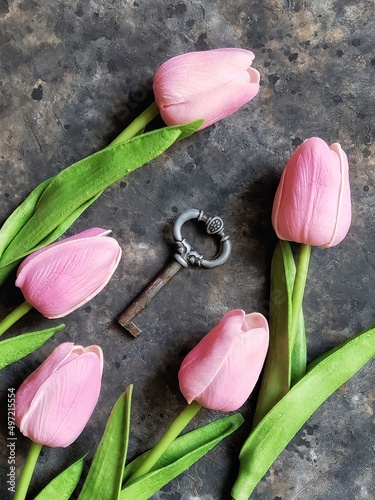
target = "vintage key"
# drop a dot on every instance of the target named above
(184, 257)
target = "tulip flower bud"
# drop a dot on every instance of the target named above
(55, 402)
(61, 277)
(211, 85)
(312, 203)
(222, 370)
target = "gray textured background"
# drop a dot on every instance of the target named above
(72, 76)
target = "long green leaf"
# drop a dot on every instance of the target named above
(81, 182)
(16, 348)
(285, 419)
(63, 485)
(182, 453)
(59, 230)
(14, 224)
(278, 374)
(20, 216)
(104, 479)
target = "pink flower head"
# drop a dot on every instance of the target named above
(312, 203)
(210, 84)
(55, 402)
(222, 370)
(61, 277)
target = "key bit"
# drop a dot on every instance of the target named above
(185, 256)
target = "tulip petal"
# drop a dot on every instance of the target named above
(65, 276)
(94, 231)
(96, 350)
(209, 84)
(221, 371)
(64, 402)
(213, 106)
(204, 70)
(203, 362)
(254, 320)
(312, 203)
(31, 384)
(344, 212)
(238, 374)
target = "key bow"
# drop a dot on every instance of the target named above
(186, 255)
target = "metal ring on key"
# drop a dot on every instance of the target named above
(186, 255)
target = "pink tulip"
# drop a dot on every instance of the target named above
(207, 85)
(61, 277)
(222, 370)
(55, 402)
(312, 203)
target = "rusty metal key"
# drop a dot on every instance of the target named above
(185, 256)
(142, 301)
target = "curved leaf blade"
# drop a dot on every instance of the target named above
(104, 479)
(20, 216)
(285, 419)
(63, 485)
(182, 453)
(279, 372)
(16, 348)
(76, 185)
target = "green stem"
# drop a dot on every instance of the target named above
(298, 291)
(27, 471)
(14, 316)
(174, 430)
(138, 124)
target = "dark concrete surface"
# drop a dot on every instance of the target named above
(72, 76)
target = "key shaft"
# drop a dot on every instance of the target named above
(145, 297)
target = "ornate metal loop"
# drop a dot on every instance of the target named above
(186, 255)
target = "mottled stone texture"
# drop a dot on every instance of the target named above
(72, 75)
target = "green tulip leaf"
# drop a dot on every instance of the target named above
(70, 191)
(279, 374)
(180, 455)
(16, 348)
(59, 230)
(63, 485)
(104, 479)
(286, 418)
(20, 216)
